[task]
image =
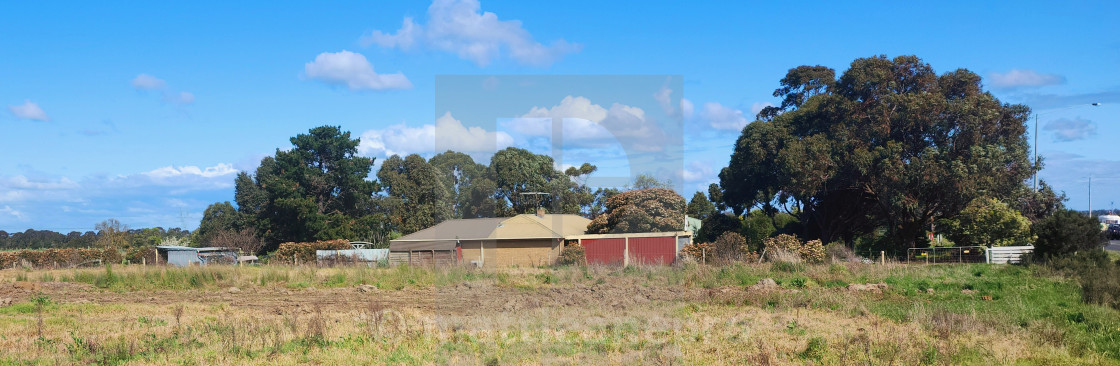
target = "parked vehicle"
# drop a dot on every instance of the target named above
(1114, 232)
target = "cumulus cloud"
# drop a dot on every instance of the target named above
(180, 98)
(664, 99)
(148, 82)
(461, 28)
(8, 210)
(721, 117)
(697, 171)
(1017, 78)
(586, 124)
(145, 82)
(352, 70)
(29, 110)
(447, 133)
(161, 194)
(208, 172)
(759, 106)
(1065, 129)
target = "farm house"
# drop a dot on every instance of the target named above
(528, 240)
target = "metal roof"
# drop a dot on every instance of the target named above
(183, 248)
(444, 235)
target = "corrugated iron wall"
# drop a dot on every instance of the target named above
(659, 250)
(423, 258)
(604, 251)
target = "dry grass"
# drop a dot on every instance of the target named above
(578, 315)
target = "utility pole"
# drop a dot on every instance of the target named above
(1035, 180)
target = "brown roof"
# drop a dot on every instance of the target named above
(444, 235)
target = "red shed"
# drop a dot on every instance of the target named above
(633, 248)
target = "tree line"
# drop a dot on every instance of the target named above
(880, 156)
(321, 189)
(48, 239)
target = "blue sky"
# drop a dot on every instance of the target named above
(144, 112)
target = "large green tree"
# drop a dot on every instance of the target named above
(468, 183)
(528, 181)
(889, 143)
(419, 189)
(700, 207)
(317, 190)
(217, 218)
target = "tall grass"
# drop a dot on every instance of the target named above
(1037, 305)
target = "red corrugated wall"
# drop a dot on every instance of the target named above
(659, 250)
(604, 251)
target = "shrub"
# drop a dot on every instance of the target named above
(66, 257)
(572, 255)
(1066, 232)
(1099, 277)
(730, 246)
(987, 221)
(305, 252)
(142, 254)
(838, 252)
(700, 251)
(811, 251)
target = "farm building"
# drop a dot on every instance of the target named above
(359, 252)
(185, 256)
(527, 240)
(633, 248)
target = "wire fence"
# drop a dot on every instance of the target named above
(946, 255)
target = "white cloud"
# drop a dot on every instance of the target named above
(148, 82)
(585, 124)
(29, 110)
(664, 99)
(1024, 78)
(20, 182)
(686, 108)
(447, 133)
(8, 210)
(404, 39)
(1071, 129)
(183, 98)
(721, 117)
(159, 194)
(209, 172)
(759, 106)
(461, 28)
(697, 172)
(353, 71)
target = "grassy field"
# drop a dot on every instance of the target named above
(822, 314)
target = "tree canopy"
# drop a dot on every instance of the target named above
(316, 190)
(641, 210)
(700, 207)
(889, 143)
(988, 222)
(419, 190)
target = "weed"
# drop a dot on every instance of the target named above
(788, 267)
(815, 349)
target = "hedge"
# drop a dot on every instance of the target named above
(65, 257)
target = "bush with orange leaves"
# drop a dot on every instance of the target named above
(305, 252)
(811, 251)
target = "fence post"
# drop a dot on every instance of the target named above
(882, 257)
